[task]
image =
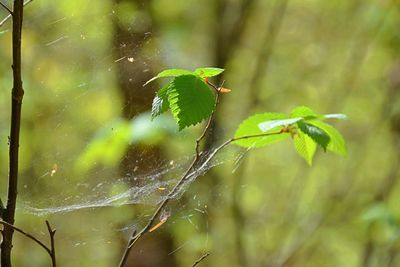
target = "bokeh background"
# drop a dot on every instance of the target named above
(94, 164)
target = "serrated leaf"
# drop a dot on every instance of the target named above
(268, 125)
(303, 111)
(338, 116)
(190, 100)
(208, 72)
(169, 73)
(337, 143)
(304, 146)
(250, 127)
(316, 134)
(160, 102)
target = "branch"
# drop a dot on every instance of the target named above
(40, 243)
(135, 237)
(201, 259)
(9, 16)
(52, 232)
(17, 94)
(6, 8)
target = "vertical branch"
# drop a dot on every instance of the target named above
(52, 253)
(16, 104)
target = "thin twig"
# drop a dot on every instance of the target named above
(201, 259)
(9, 16)
(17, 94)
(52, 232)
(40, 243)
(51, 251)
(6, 8)
(135, 237)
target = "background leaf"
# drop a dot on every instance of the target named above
(250, 126)
(191, 101)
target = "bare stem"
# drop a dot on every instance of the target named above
(201, 259)
(16, 104)
(50, 251)
(135, 237)
(9, 16)
(52, 232)
(6, 8)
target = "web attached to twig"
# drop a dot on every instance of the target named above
(153, 189)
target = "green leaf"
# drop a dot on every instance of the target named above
(304, 146)
(160, 102)
(169, 73)
(316, 134)
(250, 127)
(337, 143)
(191, 101)
(268, 125)
(208, 72)
(303, 111)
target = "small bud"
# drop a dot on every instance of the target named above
(224, 90)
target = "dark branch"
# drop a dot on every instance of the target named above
(52, 232)
(6, 8)
(40, 243)
(201, 259)
(17, 94)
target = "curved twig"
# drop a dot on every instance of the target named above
(136, 236)
(50, 251)
(201, 259)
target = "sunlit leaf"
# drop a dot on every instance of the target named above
(208, 72)
(271, 124)
(316, 134)
(191, 101)
(302, 111)
(250, 126)
(160, 102)
(305, 146)
(169, 73)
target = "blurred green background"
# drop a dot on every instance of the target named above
(94, 165)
